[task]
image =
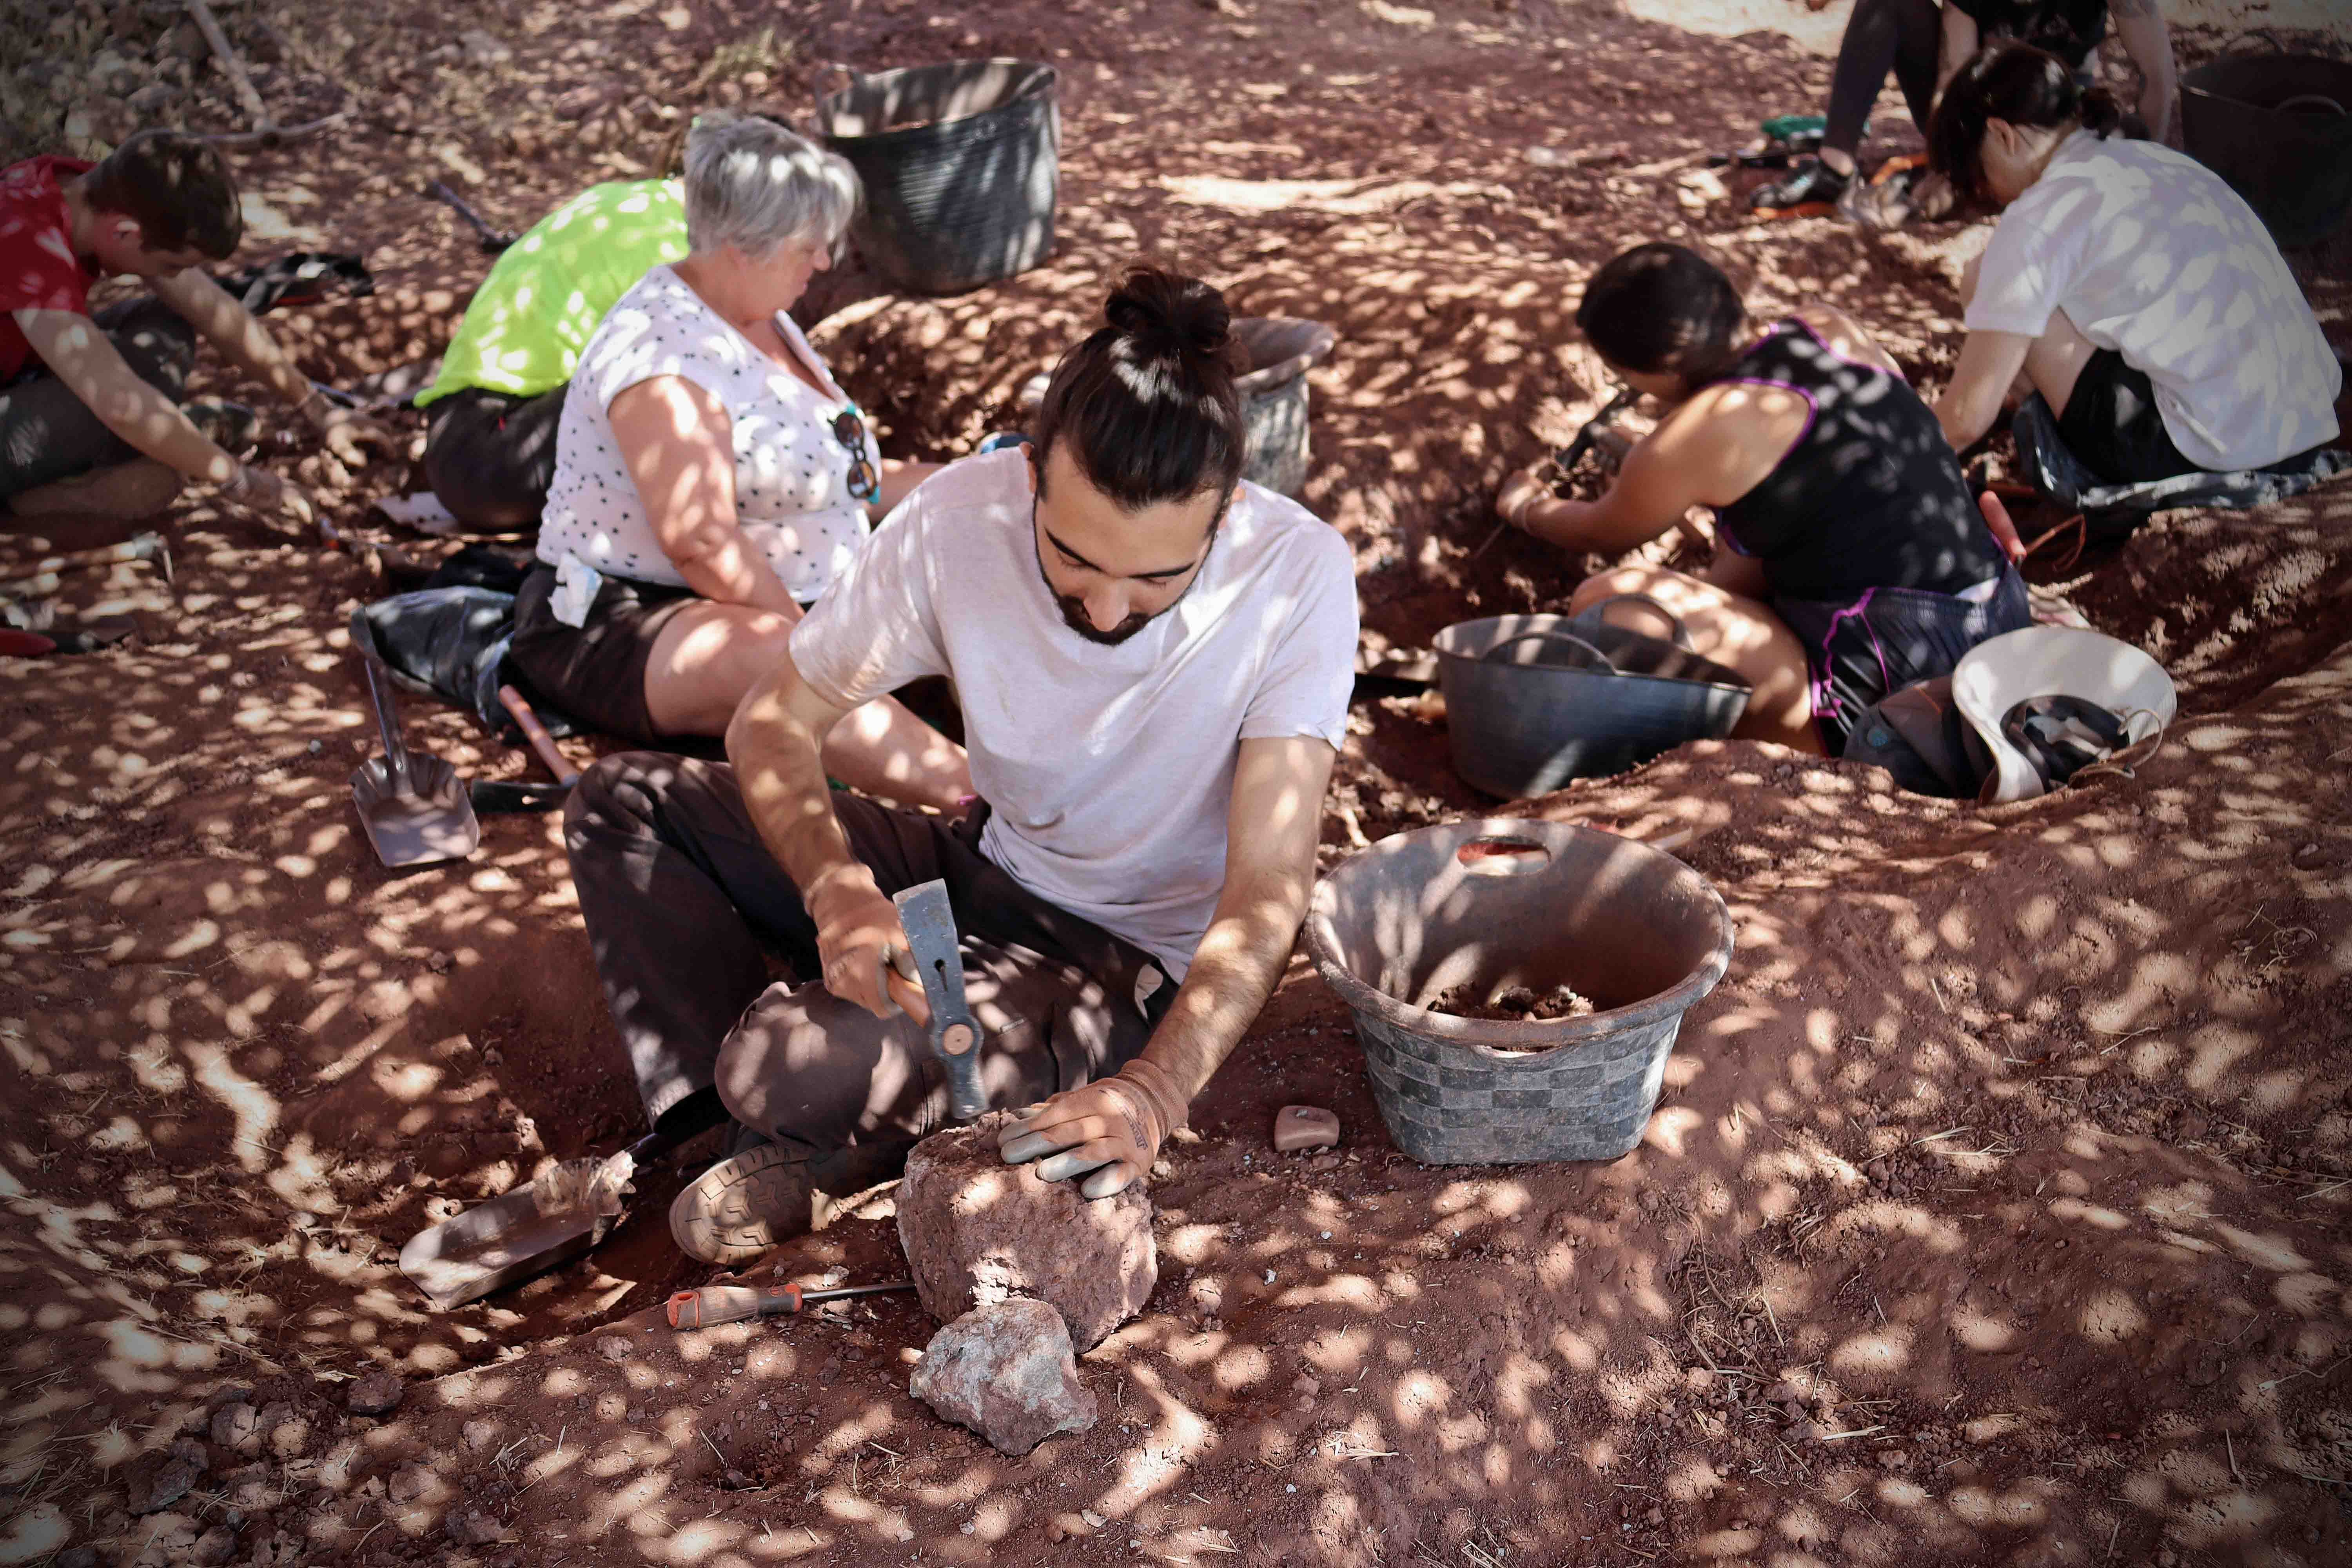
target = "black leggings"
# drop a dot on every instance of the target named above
(47, 432)
(1900, 36)
(490, 456)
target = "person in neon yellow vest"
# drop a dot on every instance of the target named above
(489, 453)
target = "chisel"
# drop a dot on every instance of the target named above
(715, 1304)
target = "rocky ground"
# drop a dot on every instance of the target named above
(1994, 1212)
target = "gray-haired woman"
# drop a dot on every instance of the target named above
(711, 478)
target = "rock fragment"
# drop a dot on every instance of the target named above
(237, 1428)
(1304, 1127)
(165, 1481)
(978, 1232)
(472, 1527)
(1006, 1371)
(213, 1547)
(377, 1393)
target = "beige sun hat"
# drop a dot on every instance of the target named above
(2049, 661)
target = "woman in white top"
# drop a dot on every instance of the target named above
(711, 478)
(2127, 283)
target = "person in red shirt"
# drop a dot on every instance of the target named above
(89, 408)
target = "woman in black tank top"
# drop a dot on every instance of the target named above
(1850, 559)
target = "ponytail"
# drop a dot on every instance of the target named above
(2028, 88)
(1147, 402)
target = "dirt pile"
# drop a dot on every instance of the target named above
(1512, 1005)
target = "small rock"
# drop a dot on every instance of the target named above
(614, 1347)
(481, 1433)
(439, 963)
(165, 1483)
(483, 49)
(472, 1527)
(1304, 1127)
(409, 1483)
(237, 1428)
(214, 1546)
(1006, 1371)
(377, 1393)
(978, 1232)
(737, 1482)
(335, 1471)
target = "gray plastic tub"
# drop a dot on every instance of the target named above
(1281, 351)
(1494, 901)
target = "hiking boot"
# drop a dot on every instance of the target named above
(1811, 184)
(742, 1206)
(230, 427)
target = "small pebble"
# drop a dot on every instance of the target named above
(1269, 1275)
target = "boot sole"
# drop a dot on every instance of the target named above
(742, 1207)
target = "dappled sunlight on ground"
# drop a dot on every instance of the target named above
(1994, 1211)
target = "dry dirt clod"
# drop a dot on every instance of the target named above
(377, 1393)
(614, 1347)
(1304, 1127)
(1513, 1005)
(472, 1527)
(213, 1547)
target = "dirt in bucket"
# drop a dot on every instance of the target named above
(1513, 1004)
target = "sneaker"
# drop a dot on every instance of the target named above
(1812, 183)
(742, 1206)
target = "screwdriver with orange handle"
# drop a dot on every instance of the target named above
(715, 1304)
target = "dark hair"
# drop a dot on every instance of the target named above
(1663, 310)
(177, 186)
(2027, 86)
(1146, 403)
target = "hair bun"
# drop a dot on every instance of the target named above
(1168, 314)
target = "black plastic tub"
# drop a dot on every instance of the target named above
(1532, 701)
(960, 164)
(2278, 128)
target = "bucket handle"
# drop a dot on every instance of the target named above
(1599, 613)
(1571, 637)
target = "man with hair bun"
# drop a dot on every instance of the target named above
(89, 413)
(1154, 658)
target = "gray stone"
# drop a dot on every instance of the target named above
(377, 1393)
(237, 1428)
(472, 1527)
(214, 1546)
(164, 1482)
(978, 1231)
(1006, 1371)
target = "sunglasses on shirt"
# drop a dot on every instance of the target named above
(849, 429)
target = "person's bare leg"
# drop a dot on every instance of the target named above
(140, 488)
(2054, 363)
(707, 655)
(1733, 630)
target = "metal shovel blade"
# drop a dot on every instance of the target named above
(494, 1245)
(413, 805)
(544, 1223)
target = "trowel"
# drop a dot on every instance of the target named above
(413, 805)
(930, 924)
(545, 1224)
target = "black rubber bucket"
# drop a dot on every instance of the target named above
(960, 164)
(2278, 128)
(1502, 901)
(1532, 701)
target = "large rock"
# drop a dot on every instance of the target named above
(978, 1231)
(1006, 1371)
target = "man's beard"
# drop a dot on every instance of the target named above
(1073, 615)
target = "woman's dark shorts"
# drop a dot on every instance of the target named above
(595, 672)
(2112, 425)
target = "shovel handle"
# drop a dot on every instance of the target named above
(519, 708)
(387, 720)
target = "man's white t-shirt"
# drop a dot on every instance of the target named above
(1108, 770)
(2150, 253)
(792, 474)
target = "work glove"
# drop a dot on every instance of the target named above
(1112, 1128)
(258, 492)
